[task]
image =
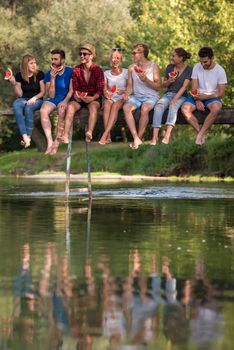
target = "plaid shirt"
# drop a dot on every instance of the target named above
(95, 84)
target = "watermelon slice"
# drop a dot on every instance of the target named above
(173, 74)
(81, 94)
(138, 69)
(57, 68)
(8, 74)
(112, 89)
(194, 92)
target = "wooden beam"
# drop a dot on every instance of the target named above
(226, 116)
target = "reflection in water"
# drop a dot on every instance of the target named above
(135, 311)
(137, 278)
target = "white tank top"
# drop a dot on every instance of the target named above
(140, 88)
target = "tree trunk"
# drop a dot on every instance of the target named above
(39, 139)
(14, 7)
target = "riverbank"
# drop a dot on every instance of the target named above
(180, 160)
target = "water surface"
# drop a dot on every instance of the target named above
(144, 266)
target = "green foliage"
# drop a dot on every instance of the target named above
(180, 158)
(41, 25)
(165, 25)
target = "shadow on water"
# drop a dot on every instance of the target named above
(126, 274)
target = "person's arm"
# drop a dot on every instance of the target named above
(199, 105)
(156, 83)
(129, 88)
(107, 94)
(50, 86)
(221, 90)
(100, 82)
(39, 95)
(16, 86)
(218, 94)
(181, 91)
(167, 80)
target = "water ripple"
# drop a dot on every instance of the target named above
(165, 192)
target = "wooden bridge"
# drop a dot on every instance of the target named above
(226, 116)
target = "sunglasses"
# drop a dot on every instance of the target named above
(135, 52)
(117, 49)
(84, 54)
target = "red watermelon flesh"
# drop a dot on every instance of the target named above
(112, 89)
(8, 74)
(138, 69)
(194, 92)
(57, 68)
(173, 74)
(81, 94)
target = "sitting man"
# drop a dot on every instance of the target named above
(88, 86)
(143, 82)
(209, 79)
(59, 89)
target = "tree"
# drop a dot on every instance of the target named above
(168, 24)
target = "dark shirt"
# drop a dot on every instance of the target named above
(33, 87)
(96, 81)
(178, 83)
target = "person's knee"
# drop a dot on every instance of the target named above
(215, 108)
(145, 109)
(28, 110)
(116, 107)
(186, 109)
(160, 105)
(93, 108)
(127, 107)
(44, 111)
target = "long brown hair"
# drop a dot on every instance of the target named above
(24, 67)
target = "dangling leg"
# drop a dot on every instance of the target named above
(45, 111)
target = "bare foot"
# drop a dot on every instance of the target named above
(26, 141)
(54, 148)
(137, 142)
(65, 139)
(48, 150)
(102, 140)
(166, 140)
(200, 139)
(88, 136)
(108, 141)
(153, 142)
(102, 143)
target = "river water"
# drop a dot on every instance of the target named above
(142, 266)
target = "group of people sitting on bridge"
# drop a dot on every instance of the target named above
(86, 85)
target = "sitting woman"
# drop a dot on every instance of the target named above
(115, 86)
(177, 79)
(29, 87)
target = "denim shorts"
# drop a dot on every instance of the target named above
(205, 102)
(138, 101)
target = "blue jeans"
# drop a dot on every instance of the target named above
(162, 105)
(24, 114)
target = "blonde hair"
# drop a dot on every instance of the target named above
(24, 67)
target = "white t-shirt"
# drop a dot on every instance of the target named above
(209, 79)
(140, 88)
(119, 80)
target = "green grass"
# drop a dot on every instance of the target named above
(181, 159)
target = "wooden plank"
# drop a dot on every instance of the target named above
(226, 116)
